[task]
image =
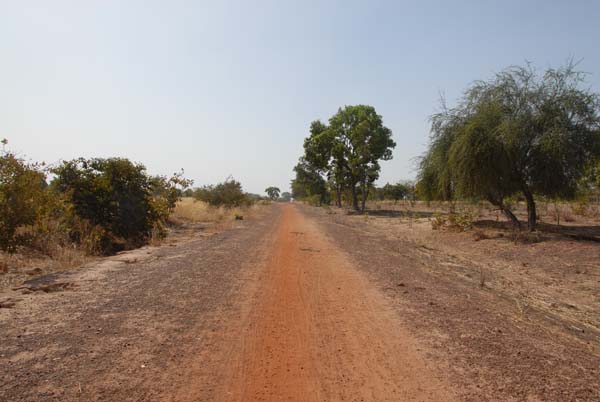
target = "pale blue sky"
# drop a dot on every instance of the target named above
(224, 87)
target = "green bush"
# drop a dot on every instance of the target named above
(116, 204)
(166, 191)
(22, 196)
(228, 194)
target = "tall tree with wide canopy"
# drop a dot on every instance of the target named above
(360, 141)
(273, 192)
(517, 133)
(349, 149)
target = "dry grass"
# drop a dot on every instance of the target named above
(191, 210)
(52, 253)
(25, 264)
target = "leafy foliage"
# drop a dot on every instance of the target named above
(396, 192)
(121, 202)
(273, 192)
(309, 183)
(348, 150)
(229, 194)
(517, 133)
(166, 191)
(22, 197)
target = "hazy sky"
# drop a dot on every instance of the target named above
(221, 87)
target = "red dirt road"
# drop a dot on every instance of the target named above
(298, 304)
(318, 331)
(269, 310)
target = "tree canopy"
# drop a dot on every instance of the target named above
(347, 151)
(516, 133)
(273, 192)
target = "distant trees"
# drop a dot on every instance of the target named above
(347, 152)
(516, 133)
(273, 192)
(286, 196)
(396, 192)
(228, 194)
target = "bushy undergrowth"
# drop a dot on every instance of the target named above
(22, 199)
(458, 221)
(98, 205)
(228, 194)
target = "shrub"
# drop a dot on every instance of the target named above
(438, 221)
(22, 195)
(581, 207)
(115, 203)
(460, 221)
(228, 194)
(166, 192)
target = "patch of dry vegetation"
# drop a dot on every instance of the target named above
(27, 263)
(191, 210)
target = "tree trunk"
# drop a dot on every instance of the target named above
(365, 194)
(531, 212)
(338, 194)
(354, 198)
(506, 212)
(364, 201)
(511, 217)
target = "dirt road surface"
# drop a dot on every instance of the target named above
(290, 306)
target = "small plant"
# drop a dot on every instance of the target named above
(239, 217)
(481, 278)
(438, 221)
(461, 221)
(580, 208)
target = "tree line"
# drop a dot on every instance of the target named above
(518, 134)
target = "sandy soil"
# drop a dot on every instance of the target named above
(302, 304)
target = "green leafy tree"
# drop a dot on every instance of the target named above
(517, 133)
(317, 163)
(398, 191)
(348, 150)
(308, 182)
(273, 192)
